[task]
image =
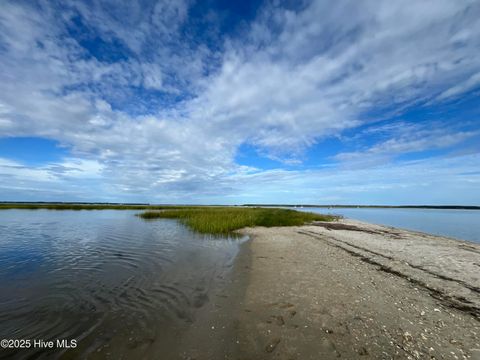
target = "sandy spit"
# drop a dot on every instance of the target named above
(346, 290)
(355, 290)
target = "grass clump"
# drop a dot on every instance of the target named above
(224, 220)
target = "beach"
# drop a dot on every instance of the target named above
(346, 290)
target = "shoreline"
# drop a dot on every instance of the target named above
(352, 289)
(343, 289)
(353, 206)
(56, 205)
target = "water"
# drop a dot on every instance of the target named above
(459, 224)
(115, 283)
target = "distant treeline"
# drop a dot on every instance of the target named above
(92, 206)
(82, 206)
(446, 207)
(143, 206)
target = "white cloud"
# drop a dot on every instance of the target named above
(152, 76)
(430, 181)
(70, 168)
(292, 79)
(469, 84)
(402, 138)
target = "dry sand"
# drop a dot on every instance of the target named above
(345, 290)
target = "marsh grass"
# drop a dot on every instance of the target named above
(224, 220)
(217, 220)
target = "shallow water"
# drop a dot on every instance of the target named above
(115, 283)
(459, 224)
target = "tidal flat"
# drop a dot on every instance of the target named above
(128, 287)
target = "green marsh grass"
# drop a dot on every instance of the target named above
(225, 220)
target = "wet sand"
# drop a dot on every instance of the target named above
(345, 290)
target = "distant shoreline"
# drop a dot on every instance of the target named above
(111, 205)
(439, 207)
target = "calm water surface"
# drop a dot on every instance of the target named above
(459, 224)
(112, 281)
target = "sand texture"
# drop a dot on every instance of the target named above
(354, 290)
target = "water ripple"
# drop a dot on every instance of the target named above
(83, 275)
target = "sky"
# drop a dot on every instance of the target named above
(233, 102)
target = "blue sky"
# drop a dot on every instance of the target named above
(231, 102)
